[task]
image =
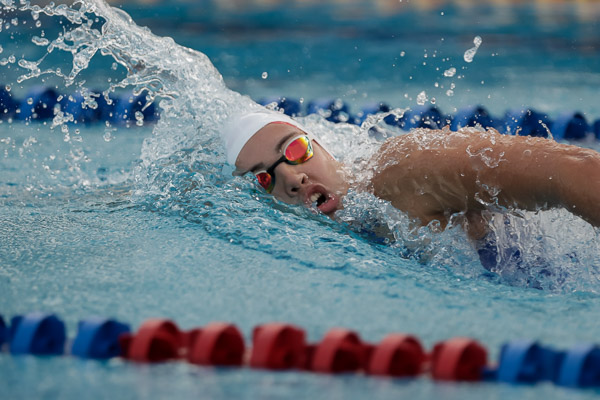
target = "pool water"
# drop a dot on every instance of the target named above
(143, 222)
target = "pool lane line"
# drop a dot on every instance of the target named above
(281, 346)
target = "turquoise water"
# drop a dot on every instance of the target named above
(143, 222)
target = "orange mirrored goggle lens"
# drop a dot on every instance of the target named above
(264, 180)
(296, 152)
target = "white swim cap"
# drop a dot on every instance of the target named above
(240, 128)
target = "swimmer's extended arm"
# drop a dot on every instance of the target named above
(433, 174)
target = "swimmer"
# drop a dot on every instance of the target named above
(428, 174)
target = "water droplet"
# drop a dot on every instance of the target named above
(470, 54)
(265, 75)
(139, 118)
(450, 72)
(30, 101)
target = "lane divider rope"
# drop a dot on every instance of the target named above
(282, 346)
(42, 103)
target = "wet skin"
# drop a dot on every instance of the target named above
(433, 174)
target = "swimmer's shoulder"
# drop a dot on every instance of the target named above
(416, 141)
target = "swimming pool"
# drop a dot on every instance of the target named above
(145, 222)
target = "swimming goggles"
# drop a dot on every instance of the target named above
(297, 151)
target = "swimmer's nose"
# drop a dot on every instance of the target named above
(293, 180)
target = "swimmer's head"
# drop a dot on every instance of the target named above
(304, 174)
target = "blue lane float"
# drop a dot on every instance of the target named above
(526, 122)
(473, 116)
(38, 104)
(422, 117)
(281, 346)
(98, 338)
(8, 105)
(525, 361)
(38, 334)
(41, 103)
(581, 367)
(75, 105)
(334, 110)
(3, 332)
(376, 108)
(570, 126)
(290, 107)
(129, 108)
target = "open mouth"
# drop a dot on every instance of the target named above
(323, 201)
(317, 199)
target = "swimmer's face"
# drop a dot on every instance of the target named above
(318, 182)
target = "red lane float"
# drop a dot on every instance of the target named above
(341, 350)
(278, 346)
(157, 340)
(397, 355)
(218, 343)
(458, 359)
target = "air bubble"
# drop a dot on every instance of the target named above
(265, 75)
